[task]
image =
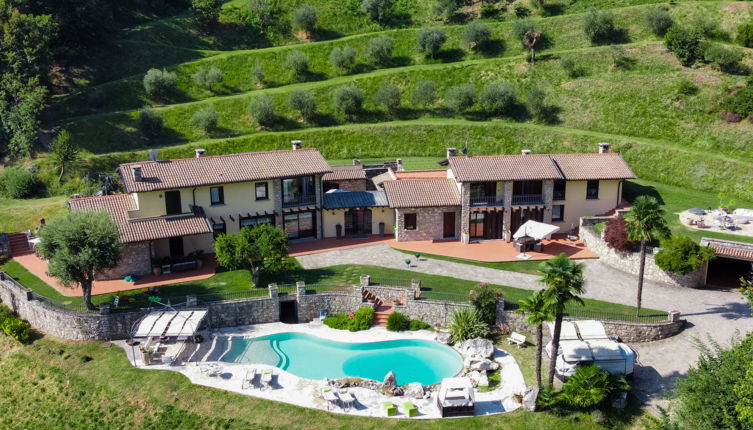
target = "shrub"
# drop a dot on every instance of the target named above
(476, 34)
(425, 93)
(18, 183)
(523, 26)
(571, 68)
(745, 34)
(337, 321)
(520, 9)
(17, 329)
(497, 97)
(681, 255)
(488, 10)
(620, 59)
(304, 18)
(684, 43)
(599, 26)
(205, 120)
(379, 50)
(5, 313)
(725, 59)
(262, 110)
(446, 9)
(258, 74)
(363, 319)
(206, 12)
(708, 28)
(150, 122)
(347, 99)
(418, 325)
(535, 103)
(588, 387)
(460, 97)
(388, 96)
(298, 64)
(740, 101)
(484, 301)
(465, 324)
(207, 78)
(430, 41)
(159, 83)
(686, 87)
(303, 102)
(658, 20)
(615, 234)
(343, 60)
(397, 322)
(376, 9)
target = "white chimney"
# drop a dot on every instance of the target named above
(296, 144)
(399, 164)
(525, 151)
(200, 152)
(136, 172)
(356, 162)
(603, 147)
(451, 152)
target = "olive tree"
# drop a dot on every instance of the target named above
(78, 246)
(304, 18)
(205, 120)
(207, 77)
(460, 98)
(430, 41)
(376, 9)
(343, 60)
(348, 99)
(497, 97)
(379, 50)
(425, 93)
(298, 64)
(388, 96)
(263, 248)
(303, 102)
(262, 110)
(476, 34)
(159, 83)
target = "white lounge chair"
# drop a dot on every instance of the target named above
(331, 397)
(517, 339)
(266, 378)
(249, 381)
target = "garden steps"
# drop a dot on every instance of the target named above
(382, 313)
(19, 244)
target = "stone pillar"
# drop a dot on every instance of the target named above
(501, 312)
(507, 216)
(365, 279)
(548, 191)
(674, 316)
(465, 212)
(415, 284)
(104, 309)
(300, 288)
(319, 205)
(272, 290)
(277, 199)
(191, 301)
(358, 291)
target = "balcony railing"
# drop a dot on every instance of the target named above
(558, 195)
(298, 199)
(528, 199)
(487, 201)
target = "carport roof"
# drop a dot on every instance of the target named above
(730, 249)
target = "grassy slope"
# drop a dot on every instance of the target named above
(21, 215)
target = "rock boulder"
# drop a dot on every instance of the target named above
(479, 378)
(414, 390)
(443, 338)
(481, 364)
(529, 398)
(477, 348)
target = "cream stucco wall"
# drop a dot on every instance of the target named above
(331, 218)
(577, 206)
(204, 242)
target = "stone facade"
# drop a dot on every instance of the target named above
(435, 312)
(334, 302)
(429, 223)
(351, 184)
(136, 260)
(630, 261)
(242, 312)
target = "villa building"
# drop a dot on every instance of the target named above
(172, 208)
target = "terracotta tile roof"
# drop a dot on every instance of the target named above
(422, 174)
(417, 193)
(342, 173)
(504, 168)
(223, 169)
(582, 167)
(143, 229)
(573, 167)
(354, 199)
(378, 180)
(730, 249)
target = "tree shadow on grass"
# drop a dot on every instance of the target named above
(492, 48)
(326, 34)
(553, 9)
(617, 37)
(451, 55)
(634, 189)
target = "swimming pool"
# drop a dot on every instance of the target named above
(312, 357)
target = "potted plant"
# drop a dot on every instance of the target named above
(198, 255)
(156, 266)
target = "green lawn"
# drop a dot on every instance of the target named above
(530, 267)
(21, 215)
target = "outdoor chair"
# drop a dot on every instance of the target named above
(389, 409)
(410, 409)
(331, 397)
(517, 339)
(249, 381)
(266, 379)
(346, 399)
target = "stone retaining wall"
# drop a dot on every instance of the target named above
(629, 261)
(434, 312)
(333, 301)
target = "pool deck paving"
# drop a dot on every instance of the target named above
(291, 389)
(717, 313)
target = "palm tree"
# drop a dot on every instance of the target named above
(645, 224)
(537, 311)
(564, 280)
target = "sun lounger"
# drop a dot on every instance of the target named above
(266, 378)
(331, 397)
(249, 381)
(517, 339)
(346, 399)
(410, 409)
(389, 409)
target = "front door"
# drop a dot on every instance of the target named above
(176, 246)
(449, 224)
(357, 221)
(172, 203)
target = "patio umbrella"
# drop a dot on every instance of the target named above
(697, 211)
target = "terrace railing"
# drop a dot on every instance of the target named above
(446, 297)
(487, 201)
(390, 282)
(528, 199)
(298, 200)
(647, 317)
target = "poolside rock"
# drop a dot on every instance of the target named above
(477, 348)
(480, 364)
(414, 390)
(390, 380)
(443, 338)
(529, 398)
(389, 386)
(479, 378)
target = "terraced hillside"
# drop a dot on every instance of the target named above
(627, 92)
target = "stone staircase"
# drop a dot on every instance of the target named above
(382, 311)
(19, 244)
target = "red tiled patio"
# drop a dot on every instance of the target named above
(38, 267)
(493, 251)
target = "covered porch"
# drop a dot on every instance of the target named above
(493, 251)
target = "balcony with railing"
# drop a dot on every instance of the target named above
(528, 199)
(291, 200)
(487, 201)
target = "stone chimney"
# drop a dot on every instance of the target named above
(603, 147)
(136, 172)
(296, 144)
(200, 152)
(399, 164)
(451, 152)
(525, 151)
(356, 162)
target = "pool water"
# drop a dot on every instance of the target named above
(312, 357)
